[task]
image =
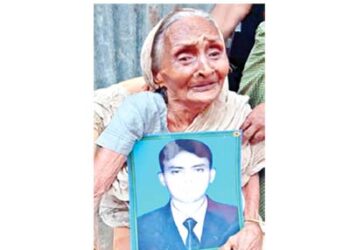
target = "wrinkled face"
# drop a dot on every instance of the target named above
(194, 63)
(187, 177)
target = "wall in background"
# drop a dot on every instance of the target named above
(119, 32)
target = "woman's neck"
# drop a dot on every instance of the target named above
(180, 116)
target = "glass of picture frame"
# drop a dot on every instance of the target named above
(185, 190)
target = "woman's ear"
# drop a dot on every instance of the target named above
(158, 79)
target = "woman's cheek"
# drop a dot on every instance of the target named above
(223, 68)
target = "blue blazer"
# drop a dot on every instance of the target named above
(157, 230)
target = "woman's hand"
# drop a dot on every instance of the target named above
(121, 238)
(254, 126)
(249, 238)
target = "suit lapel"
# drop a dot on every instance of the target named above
(171, 239)
(211, 230)
(215, 230)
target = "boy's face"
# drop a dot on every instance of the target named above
(187, 177)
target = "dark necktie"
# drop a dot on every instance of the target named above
(192, 241)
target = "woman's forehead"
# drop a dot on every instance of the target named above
(191, 30)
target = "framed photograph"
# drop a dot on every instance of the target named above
(185, 190)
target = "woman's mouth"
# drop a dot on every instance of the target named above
(204, 86)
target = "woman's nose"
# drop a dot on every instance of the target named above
(204, 67)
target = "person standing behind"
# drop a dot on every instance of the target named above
(253, 85)
(238, 23)
(246, 54)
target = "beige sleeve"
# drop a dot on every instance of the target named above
(258, 158)
(113, 208)
(106, 101)
(253, 160)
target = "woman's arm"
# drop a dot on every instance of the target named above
(251, 236)
(106, 166)
(130, 123)
(228, 16)
(107, 163)
(251, 192)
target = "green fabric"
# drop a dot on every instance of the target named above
(253, 85)
(253, 77)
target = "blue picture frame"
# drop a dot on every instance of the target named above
(147, 194)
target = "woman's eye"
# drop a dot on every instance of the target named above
(214, 53)
(185, 58)
(174, 171)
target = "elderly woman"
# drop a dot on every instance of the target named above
(185, 64)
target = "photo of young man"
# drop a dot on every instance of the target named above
(191, 219)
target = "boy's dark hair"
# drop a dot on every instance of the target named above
(173, 148)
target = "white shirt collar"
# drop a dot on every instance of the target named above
(198, 216)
